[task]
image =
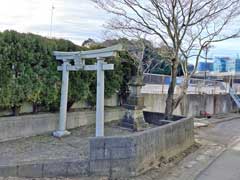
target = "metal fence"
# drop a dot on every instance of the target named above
(159, 84)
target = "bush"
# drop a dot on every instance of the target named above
(28, 73)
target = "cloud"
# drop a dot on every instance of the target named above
(75, 20)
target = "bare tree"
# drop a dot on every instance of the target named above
(185, 27)
(136, 50)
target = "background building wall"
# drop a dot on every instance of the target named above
(203, 66)
(220, 64)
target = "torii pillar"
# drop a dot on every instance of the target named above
(79, 64)
(64, 99)
(100, 67)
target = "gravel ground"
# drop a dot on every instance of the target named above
(45, 147)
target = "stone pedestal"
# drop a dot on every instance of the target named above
(133, 118)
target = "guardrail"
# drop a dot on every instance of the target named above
(234, 96)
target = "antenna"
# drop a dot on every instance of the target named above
(51, 26)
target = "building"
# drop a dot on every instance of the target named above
(89, 43)
(233, 65)
(220, 64)
(205, 66)
(226, 64)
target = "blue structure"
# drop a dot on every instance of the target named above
(203, 66)
(190, 67)
(233, 65)
(220, 64)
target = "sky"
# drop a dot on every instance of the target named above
(75, 20)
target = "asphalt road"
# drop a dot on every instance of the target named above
(227, 165)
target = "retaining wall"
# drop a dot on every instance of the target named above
(130, 155)
(31, 125)
(192, 104)
(26, 107)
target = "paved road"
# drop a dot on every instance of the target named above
(222, 133)
(226, 167)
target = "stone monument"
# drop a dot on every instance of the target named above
(133, 118)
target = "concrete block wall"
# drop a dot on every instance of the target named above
(163, 142)
(31, 125)
(47, 169)
(112, 156)
(133, 154)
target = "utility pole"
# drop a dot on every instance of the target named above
(206, 57)
(206, 49)
(51, 26)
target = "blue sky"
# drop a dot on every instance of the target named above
(76, 20)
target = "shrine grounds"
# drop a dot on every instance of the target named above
(215, 137)
(121, 153)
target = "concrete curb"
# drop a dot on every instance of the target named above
(225, 120)
(215, 121)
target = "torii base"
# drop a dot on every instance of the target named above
(59, 134)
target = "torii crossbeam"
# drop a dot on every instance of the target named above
(79, 64)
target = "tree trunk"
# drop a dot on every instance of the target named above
(69, 105)
(35, 108)
(16, 110)
(170, 97)
(183, 92)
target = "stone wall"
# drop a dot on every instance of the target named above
(192, 104)
(130, 155)
(31, 125)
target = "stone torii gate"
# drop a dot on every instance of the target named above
(79, 64)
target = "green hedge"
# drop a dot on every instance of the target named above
(28, 73)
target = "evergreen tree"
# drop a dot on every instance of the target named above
(28, 73)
